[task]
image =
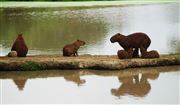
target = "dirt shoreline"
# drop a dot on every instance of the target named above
(96, 62)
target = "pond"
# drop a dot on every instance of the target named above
(156, 85)
(47, 30)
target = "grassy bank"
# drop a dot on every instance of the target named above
(97, 62)
(23, 4)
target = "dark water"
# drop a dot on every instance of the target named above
(156, 85)
(47, 30)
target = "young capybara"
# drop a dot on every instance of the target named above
(71, 49)
(135, 40)
(150, 54)
(122, 54)
(20, 46)
(12, 54)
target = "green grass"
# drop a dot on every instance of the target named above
(31, 66)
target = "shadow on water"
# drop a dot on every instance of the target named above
(133, 82)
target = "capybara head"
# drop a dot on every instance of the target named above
(80, 42)
(20, 37)
(115, 37)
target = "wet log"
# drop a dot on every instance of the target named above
(97, 62)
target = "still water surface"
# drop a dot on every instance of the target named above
(156, 85)
(47, 30)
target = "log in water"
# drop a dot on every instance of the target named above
(98, 62)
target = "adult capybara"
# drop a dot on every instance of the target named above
(122, 54)
(20, 46)
(150, 54)
(135, 40)
(71, 49)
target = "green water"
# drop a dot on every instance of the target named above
(47, 30)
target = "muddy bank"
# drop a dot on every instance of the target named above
(48, 62)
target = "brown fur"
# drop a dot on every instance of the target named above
(136, 40)
(20, 46)
(122, 54)
(71, 49)
(150, 54)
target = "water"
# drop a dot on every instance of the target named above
(156, 85)
(47, 30)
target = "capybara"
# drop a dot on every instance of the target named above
(71, 49)
(20, 46)
(122, 54)
(135, 40)
(12, 54)
(150, 54)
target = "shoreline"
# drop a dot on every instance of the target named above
(95, 62)
(22, 4)
(78, 73)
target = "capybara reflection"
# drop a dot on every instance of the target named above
(20, 46)
(12, 54)
(134, 40)
(71, 49)
(150, 54)
(122, 54)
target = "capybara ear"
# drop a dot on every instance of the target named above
(78, 40)
(118, 34)
(20, 34)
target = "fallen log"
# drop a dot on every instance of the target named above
(103, 62)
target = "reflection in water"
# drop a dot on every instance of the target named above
(20, 83)
(137, 82)
(136, 85)
(133, 82)
(75, 78)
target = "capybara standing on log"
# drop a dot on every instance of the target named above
(71, 49)
(20, 46)
(122, 54)
(150, 54)
(135, 40)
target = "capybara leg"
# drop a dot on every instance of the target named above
(76, 53)
(135, 53)
(143, 50)
(136, 78)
